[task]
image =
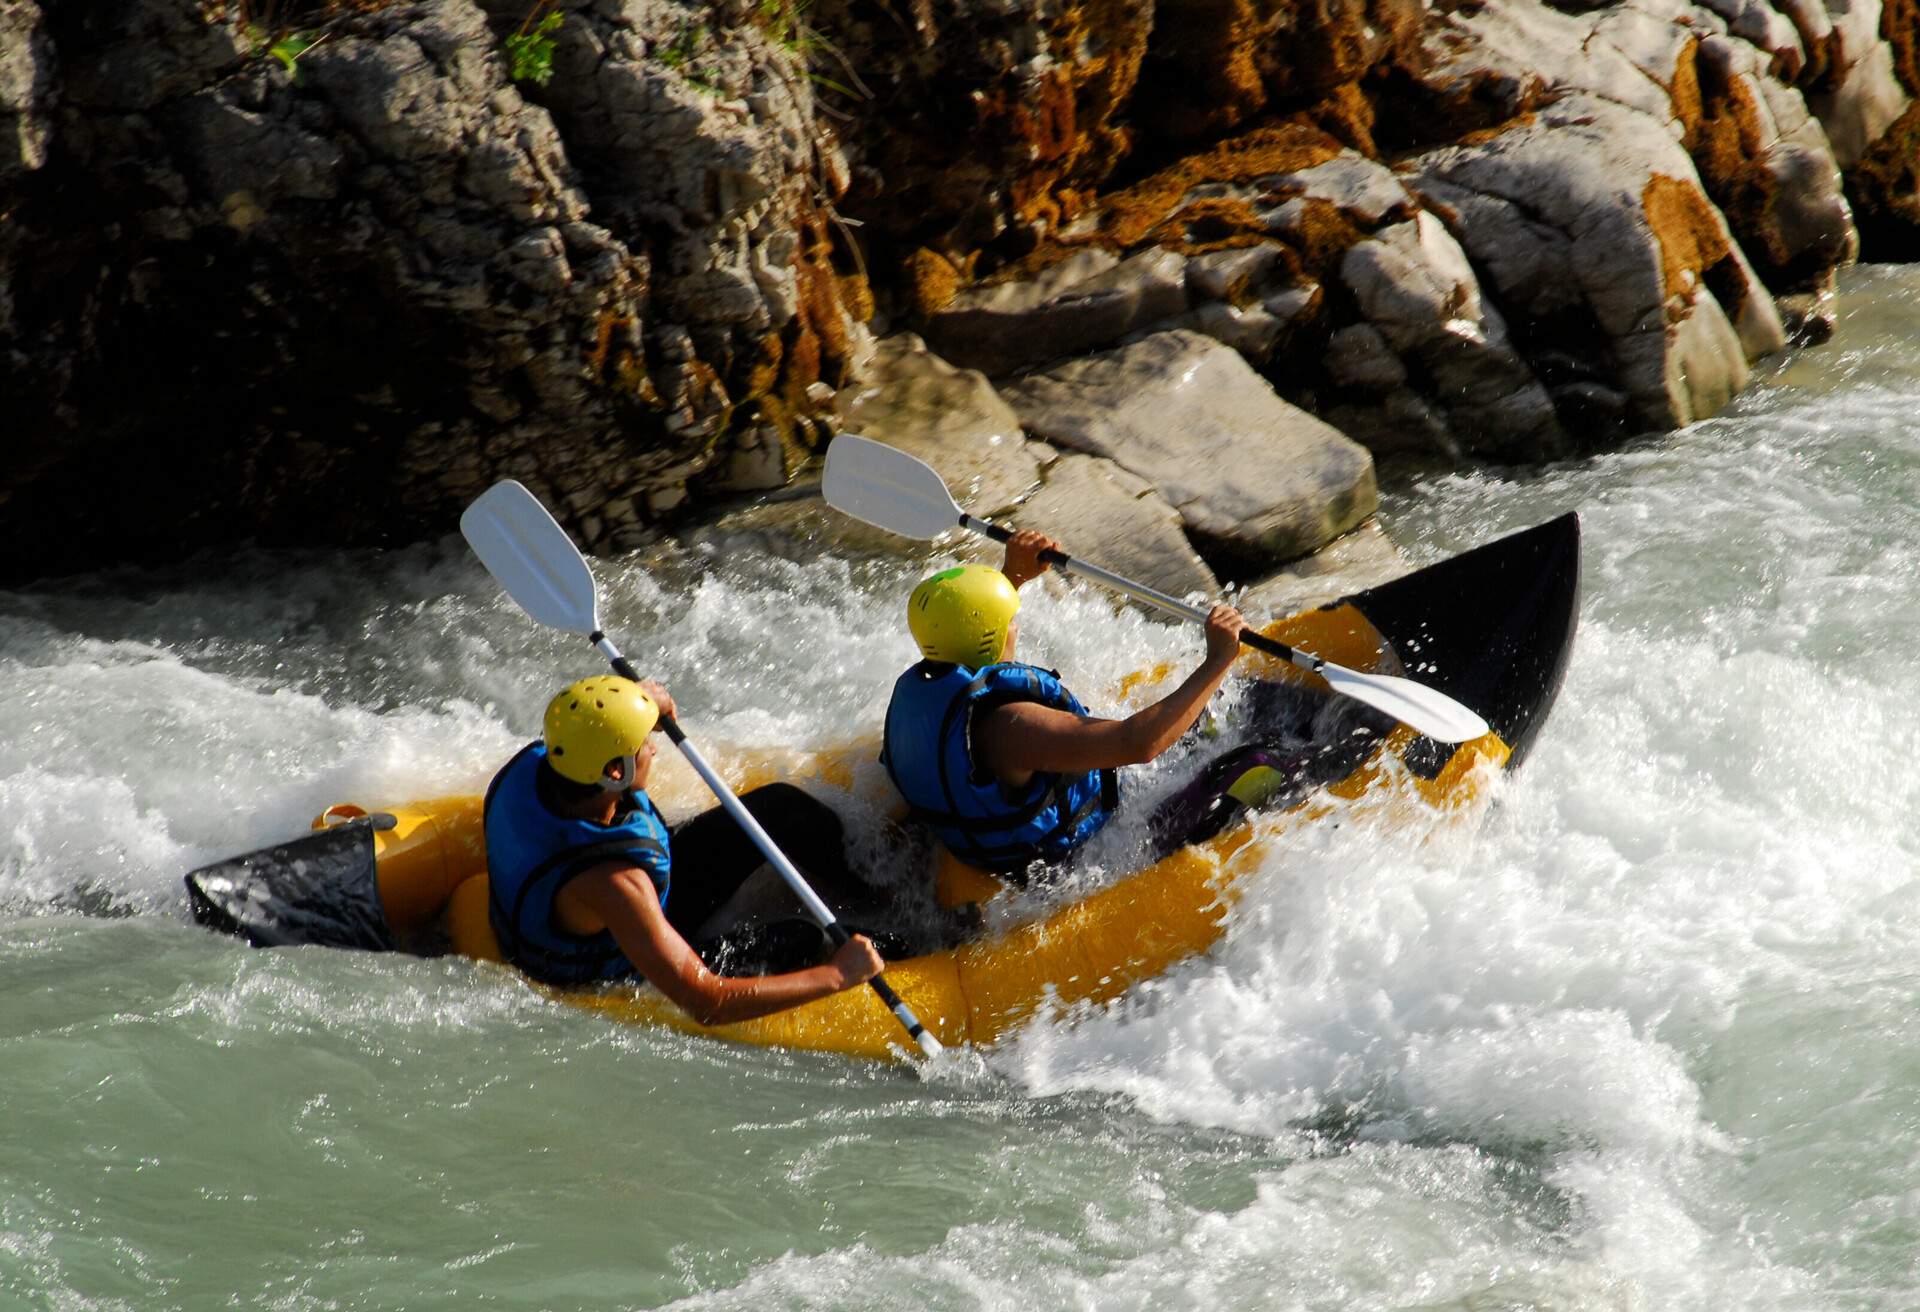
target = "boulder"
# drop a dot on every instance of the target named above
(1766, 161)
(1117, 520)
(1254, 479)
(1589, 225)
(1419, 297)
(1091, 299)
(951, 418)
(1861, 95)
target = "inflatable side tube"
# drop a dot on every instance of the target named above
(322, 888)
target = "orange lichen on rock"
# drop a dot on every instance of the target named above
(614, 363)
(817, 345)
(1481, 136)
(1059, 133)
(1130, 215)
(1206, 44)
(1324, 234)
(856, 294)
(931, 281)
(1211, 224)
(1723, 130)
(1692, 243)
(1346, 115)
(1884, 190)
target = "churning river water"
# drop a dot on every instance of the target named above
(1643, 1039)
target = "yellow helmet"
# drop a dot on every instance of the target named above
(961, 615)
(597, 721)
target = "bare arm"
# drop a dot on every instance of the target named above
(1019, 739)
(617, 897)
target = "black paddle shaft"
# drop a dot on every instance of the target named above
(1249, 637)
(624, 668)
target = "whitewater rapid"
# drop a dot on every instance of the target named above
(1641, 1039)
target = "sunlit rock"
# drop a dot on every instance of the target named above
(951, 418)
(26, 90)
(1116, 519)
(1590, 230)
(1253, 477)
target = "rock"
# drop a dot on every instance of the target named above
(1306, 218)
(1481, 230)
(1209, 72)
(1001, 328)
(951, 418)
(977, 121)
(214, 225)
(1884, 189)
(1862, 95)
(1414, 287)
(1589, 225)
(1117, 520)
(1765, 160)
(1253, 477)
(797, 524)
(1810, 316)
(26, 89)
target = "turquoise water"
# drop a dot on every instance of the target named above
(1641, 1040)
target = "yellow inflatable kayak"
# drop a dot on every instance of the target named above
(1491, 628)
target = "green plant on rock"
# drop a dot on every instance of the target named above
(785, 23)
(277, 29)
(679, 52)
(530, 50)
(288, 49)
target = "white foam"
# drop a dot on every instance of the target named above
(1550, 1061)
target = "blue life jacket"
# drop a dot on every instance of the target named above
(928, 752)
(531, 852)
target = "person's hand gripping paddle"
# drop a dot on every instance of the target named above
(534, 560)
(886, 487)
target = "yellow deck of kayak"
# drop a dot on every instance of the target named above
(431, 863)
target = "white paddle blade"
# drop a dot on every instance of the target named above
(532, 557)
(1432, 713)
(887, 488)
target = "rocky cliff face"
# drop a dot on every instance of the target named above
(332, 298)
(320, 270)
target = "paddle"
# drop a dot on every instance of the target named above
(532, 557)
(884, 486)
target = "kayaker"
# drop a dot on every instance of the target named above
(588, 884)
(997, 757)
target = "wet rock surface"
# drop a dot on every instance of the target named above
(323, 280)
